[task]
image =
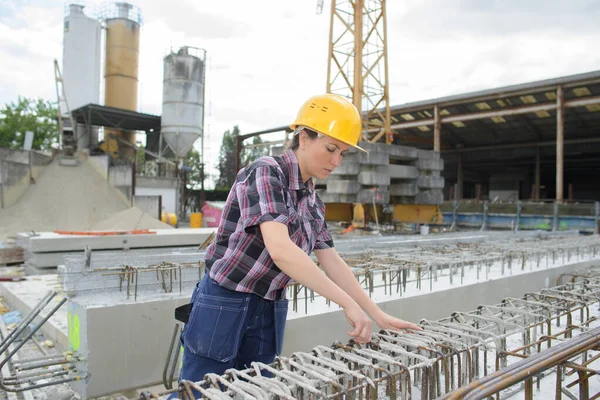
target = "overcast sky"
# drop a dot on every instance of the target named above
(266, 57)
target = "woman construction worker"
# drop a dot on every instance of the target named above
(272, 221)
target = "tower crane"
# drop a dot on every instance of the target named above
(357, 65)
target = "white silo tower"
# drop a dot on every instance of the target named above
(183, 99)
(81, 63)
(182, 120)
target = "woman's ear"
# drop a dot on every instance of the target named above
(303, 137)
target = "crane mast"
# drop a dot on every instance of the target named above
(357, 66)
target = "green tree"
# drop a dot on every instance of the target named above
(35, 115)
(227, 156)
(254, 152)
(193, 164)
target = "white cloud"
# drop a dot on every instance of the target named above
(265, 58)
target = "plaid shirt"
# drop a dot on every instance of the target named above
(269, 189)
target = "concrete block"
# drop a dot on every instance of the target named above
(436, 174)
(348, 198)
(349, 166)
(404, 199)
(320, 183)
(428, 154)
(404, 153)
(373, 158)
(373, 178)
(329, 197)
(382, 196)
(430, 164)
(343, 187)
(378, 147)
(429, 197)
(430, 182)
(402, 172)
(404, 189)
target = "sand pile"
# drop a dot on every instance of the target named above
(66, 198)
(132, 218)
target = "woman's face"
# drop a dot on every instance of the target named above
(323, 155)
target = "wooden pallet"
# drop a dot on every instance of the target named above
(12, 255)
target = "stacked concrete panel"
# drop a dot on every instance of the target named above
(403, 174)
(430, 183)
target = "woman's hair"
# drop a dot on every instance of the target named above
(295, 143)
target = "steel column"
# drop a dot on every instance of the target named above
(459, 177)
(560, 147)
(437, 128)
(538, 172)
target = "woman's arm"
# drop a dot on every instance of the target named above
(340, 273)
(300, 267)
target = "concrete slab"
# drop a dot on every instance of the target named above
(436, 174)
(33, 270)
(403, 189)
(428, 154)
(329, 197)
(348, 198)
(369, 178)
(343, 187)
(44, 262)
(53, 242)
(366, 196)
(402, 172)
(301, 335)
(404, 199)
(430, 164)
(373, 158)
(403, 153)
(429, 197)
(379, 147)
(349, 166)
(430, 182)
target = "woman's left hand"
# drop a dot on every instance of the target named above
(386, 321)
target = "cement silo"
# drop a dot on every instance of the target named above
(183, 99)
(123, 22)
(81, 63)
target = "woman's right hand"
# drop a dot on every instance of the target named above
(360, 321)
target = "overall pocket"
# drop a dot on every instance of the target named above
(216, 323)
(281, 309)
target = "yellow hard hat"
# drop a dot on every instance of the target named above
(331, 115)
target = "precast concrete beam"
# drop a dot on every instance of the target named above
(428, 154)
(343, 187)
(382, 196)
(402, 172)
(369, 178)
(403, 153)
(423, 172)
(435, 197)
(54, 242)
(404, 199)
(349, 166)
(373, 158)
(377, 147)
(403, 189)
(430, 182)
(430, 164)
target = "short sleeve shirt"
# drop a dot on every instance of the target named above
(269, 189)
